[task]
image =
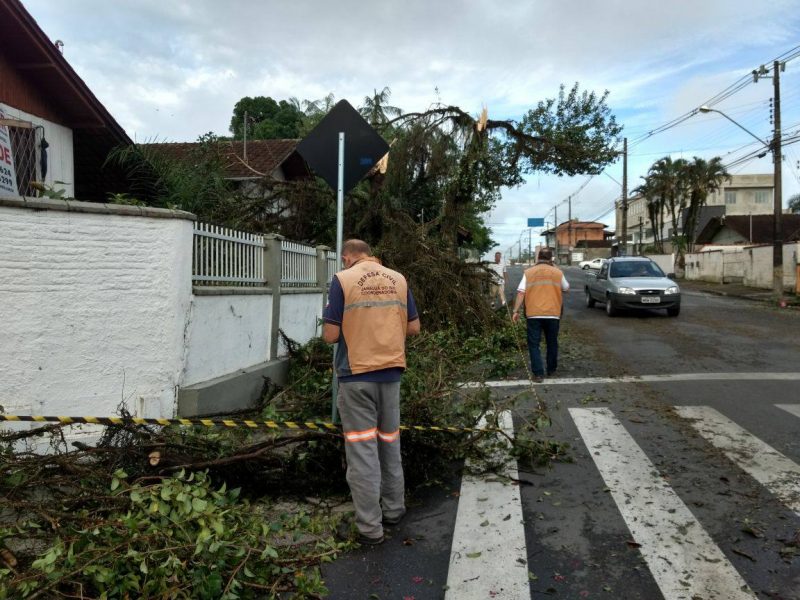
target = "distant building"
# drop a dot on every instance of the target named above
(574, 234)
(741, 195)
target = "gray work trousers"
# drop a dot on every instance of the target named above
(370, 414)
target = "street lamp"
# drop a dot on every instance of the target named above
(777, 242)
(705, 109)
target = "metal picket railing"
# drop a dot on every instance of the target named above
(298, 264)
(227, 256)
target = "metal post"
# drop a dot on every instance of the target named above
(339, 235)
(244, 151)
(777, 235)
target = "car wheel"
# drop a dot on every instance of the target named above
(585, 267)
(611, 310)
(589, 300)
(674, 311)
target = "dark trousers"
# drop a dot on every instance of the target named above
(550, 329)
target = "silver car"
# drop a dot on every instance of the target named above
(635, 283)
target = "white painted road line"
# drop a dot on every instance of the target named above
(488, 558)
(684, 560)
(790, 408)
(770, 468)
(641, 379)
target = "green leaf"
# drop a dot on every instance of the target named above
(199, 505)
(114, 484)
(473, 554)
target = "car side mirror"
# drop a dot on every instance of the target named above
(671, 275)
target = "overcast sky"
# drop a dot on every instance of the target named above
(174, 69)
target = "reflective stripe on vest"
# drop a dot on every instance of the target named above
(543, 291)
(374, 320)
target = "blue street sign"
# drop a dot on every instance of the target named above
(535, 222)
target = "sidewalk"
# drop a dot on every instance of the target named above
(735, 290)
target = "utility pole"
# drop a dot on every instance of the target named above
(530, 235)
(624, 242)
(777, 234)
(569, 230)
(555, 230)
(244, 151)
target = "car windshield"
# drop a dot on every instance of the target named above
(636, 269)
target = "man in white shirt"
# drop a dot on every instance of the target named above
(498, 269)
(542, 288)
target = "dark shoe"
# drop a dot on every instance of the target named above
(369, 541)
(393, 521)
(538, 379)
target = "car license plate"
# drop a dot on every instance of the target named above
(651, 299)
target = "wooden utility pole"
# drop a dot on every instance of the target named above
(624, 241)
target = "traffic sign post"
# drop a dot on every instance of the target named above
(365, 147)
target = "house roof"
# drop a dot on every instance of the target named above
(761, 228)
(576, 225)
(29, 52)
(263, 157)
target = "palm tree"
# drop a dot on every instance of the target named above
(376, 108)
(702, 178)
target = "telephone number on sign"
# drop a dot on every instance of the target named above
(6, 181)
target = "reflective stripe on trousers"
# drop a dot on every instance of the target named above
(370, 414)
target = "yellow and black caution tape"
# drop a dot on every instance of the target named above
(231, 423)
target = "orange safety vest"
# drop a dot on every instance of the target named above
(374, 320)
(543, 291)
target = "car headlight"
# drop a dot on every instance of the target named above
(626, 290)
(672, 290)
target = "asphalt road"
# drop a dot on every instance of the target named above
(685, 485)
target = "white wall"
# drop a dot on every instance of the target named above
(704, 266)
(226, 333)
(94, 310)
(300, 315)
(60, 157)
(758, 266)
(665, 261)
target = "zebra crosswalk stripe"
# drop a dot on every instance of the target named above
(793, 409)
(684, 560)
(488, 557)
(770, 468)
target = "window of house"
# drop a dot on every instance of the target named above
(762, 196)
(25, 152)
(730, 197)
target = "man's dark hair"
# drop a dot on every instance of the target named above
(546, 254)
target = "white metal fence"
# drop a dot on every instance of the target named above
(298, 265)
(333, 265)
(223, 256)
(226, 256)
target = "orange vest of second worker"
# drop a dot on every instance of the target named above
(374, 320)
(543, 291)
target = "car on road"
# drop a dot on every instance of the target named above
(595, 263)
(634, 283)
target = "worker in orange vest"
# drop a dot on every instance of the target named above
(541, 290)
(370, 312)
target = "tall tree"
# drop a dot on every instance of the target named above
(376, 108)
(794, 204)
(702, 178)
(267, 118)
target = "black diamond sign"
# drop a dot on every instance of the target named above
(363, 147)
